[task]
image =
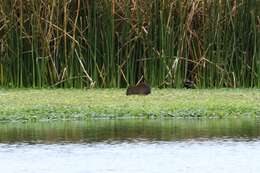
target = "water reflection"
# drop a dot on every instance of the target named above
(130, 130)
(135, 145)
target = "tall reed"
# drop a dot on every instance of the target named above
(114, 43)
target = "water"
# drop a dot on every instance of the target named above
(131, 146)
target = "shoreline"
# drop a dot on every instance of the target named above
(76, 104)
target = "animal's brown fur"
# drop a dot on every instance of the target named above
(140, 89)
(189, 84)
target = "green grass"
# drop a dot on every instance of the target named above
(33, 104)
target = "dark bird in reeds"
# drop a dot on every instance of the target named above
(140, 89)
(189, 84)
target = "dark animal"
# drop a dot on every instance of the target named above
(140, 89)
(189, 84)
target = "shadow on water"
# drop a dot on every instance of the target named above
(130, 130)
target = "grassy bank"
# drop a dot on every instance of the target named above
(32, 104)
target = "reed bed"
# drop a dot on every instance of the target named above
(114, 43)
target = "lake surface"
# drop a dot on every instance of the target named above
(131, 146)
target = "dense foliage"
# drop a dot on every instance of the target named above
(113, 43)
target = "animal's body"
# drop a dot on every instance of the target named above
(140, 89)
(189, 84)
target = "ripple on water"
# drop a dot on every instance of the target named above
(131, 146)
(195, 156)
